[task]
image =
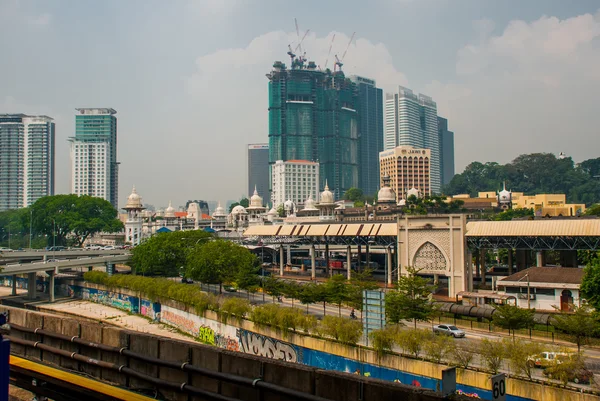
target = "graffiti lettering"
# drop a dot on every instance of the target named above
(259, 345)
(180, 322)
(206, 335)
(228, 343)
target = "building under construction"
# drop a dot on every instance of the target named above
(313, 116)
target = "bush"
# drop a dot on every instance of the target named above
(492, 354)
(463, 356)
(234, 307)
(438, 347)
(412, 341)
(341, 328)
(283, 318)
(383, 340)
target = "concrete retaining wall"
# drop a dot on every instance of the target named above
(244, 336)
(332, 385)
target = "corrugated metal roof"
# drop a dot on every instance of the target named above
(556, 275)
(535, 228)
(333, 230)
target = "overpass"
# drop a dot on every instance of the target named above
(55, 266)
(42, 254)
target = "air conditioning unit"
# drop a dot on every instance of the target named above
(524, 296)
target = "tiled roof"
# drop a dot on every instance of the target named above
(558, 275)
(573, 227)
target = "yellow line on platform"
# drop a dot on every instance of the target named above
(77, 380)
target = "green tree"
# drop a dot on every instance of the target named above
(72, 216)
(383, 340)
(337, 292)
(291, 290)
(165, 254)
(308, 294)
(360, 282)
(590, 284)
(439, 347)
(247, 277)
(513, 318)
(518, 353)
(273, 286)
(512, 214)
(412, 341)
(580, 326)
(218, 262)
(354, 194)
(411, 299)
(343, 329)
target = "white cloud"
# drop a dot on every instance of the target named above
(530, 89)
(40, 20)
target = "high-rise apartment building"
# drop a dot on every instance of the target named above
(94, 166)
(409, 169)
(258, 169)
(313, 116)
(370, 114)
(26, 159)
(411, 120)
(447, 150)
(294, 180)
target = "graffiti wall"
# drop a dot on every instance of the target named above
(109, 298)
(6, 281)
(150, 309)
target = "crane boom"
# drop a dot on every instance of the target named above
(329, 52)
(347, 47)
(298, 34)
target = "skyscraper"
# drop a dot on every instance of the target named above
(370, 114)
(258, 169)
(412, 120)
(313, 116)
(26, 159)
(295, 180)
(447, 150)
(94, 166)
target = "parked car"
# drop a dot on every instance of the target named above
(4, 249)
(546, 359)
(187, 280)
(229, 288)
(55, 248)
(109, 248)
(448, 330)
(92, 247)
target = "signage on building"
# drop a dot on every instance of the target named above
(258, 146)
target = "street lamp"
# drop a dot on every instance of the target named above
(30, 225)
(528, 290)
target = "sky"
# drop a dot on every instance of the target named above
(187, 78)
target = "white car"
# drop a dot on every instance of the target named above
(449, 330)
(109, 248)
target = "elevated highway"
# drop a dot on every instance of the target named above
(41, 254)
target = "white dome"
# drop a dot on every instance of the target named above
(326, 195)
(239, 209)
(256, 200)
(504, 196)
(309, 204)
(219, 211)
(134, 201)
(170, 211)
(272, 212)
(402, 202)
(288, 205)
(386, 193)
(413, 191)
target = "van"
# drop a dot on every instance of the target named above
(547, 358)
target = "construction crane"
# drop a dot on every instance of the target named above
(340, 62)
(291, 53)
(329, 52)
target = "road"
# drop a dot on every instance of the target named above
(471, 340)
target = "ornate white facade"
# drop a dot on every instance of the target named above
(134, 222)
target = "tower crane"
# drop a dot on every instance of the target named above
(340, 62)
(329, 53)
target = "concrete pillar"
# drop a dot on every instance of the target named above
(367, 256)
(477, 260)
(14, 285)
(540, 258)
(482, 255)
(510, 262)
(436, 279)
(51, 286)
(31, 286)
(328, 270)
(390, 265)
(349, 261)
(288, 259)
(469, 270)
(313, 273)
(281, 260)
(358, 259)
(521, 256)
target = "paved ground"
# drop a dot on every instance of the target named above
(115, 317)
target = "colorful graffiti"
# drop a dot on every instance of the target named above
(206, 335)
(116, 300)
(179, 321)
(259, 345)
(150, 309)
(228, 343)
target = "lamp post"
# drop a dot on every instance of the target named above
(528, 290)
(54, 239)
(30, 226)
(262, 268)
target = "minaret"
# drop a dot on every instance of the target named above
(133, 225)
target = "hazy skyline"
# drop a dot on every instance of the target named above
(187, 78)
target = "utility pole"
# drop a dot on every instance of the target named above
(30, 226)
